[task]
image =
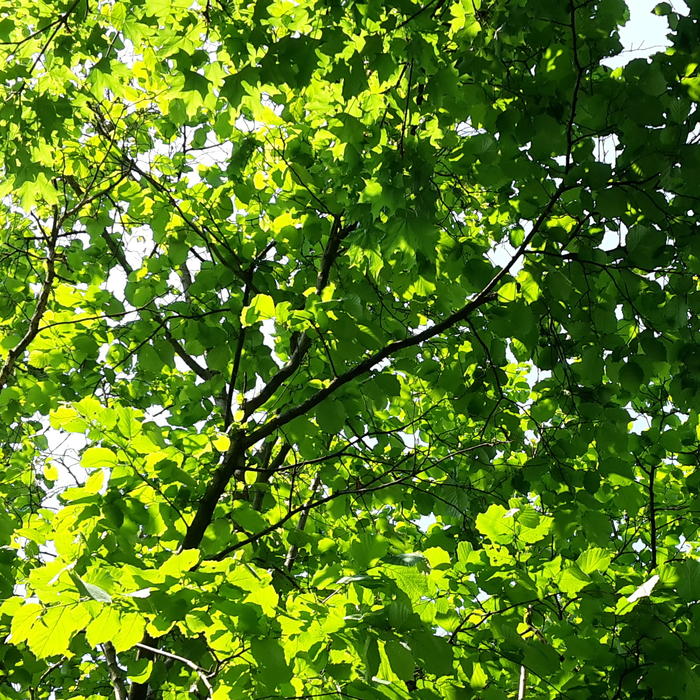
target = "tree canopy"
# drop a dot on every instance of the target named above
(348, 350)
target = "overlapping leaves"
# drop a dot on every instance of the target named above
(371, 332)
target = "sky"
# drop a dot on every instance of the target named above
(645, 33)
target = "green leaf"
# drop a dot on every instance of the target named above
(573, 579)
(593, 559)
(130, 631)
(400, 659)
(139, 670)
(432, 653)
(437, 558)
(91, 590)
(249, 519)
(508, 292)
(24, 620)
(58, 625)
(631, 376)
(270, 656)
(97, 457)
(366, 550)
(541, 658)
(67, 418)
(102, 627)
(479, 678)
(497, 524)
(331, 416)
(262, 307)
(689, 580)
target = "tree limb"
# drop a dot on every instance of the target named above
(115, 674)
(216, 487)
(300, 509)
(200, 371)
(39, 311)
(338, 232)
(190, 664)
(293, 549)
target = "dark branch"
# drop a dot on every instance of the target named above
(338, 232)
(115, 673)
(219, 481)
(39, 310)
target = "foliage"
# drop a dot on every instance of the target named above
(349, 350)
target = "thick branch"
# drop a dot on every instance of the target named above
(577, 85)
(232, 462)
(238, 353)
(216, 487)
(200, 371)
(185, 280)
(652, 517)
(270, 468)
(117, 252)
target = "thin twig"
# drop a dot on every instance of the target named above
(190, 664)
(293, 549)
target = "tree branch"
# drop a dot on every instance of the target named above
(338, 232)
(577, 86)
(300, 509)
(216, 487)
(200, 231)
(39, 310)
(270, 469)
(115, 674)
(293, 549)
(200, 371)
(238, 353)
(190, 664)
(652, 518)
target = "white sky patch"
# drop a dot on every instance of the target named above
(646, 33)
